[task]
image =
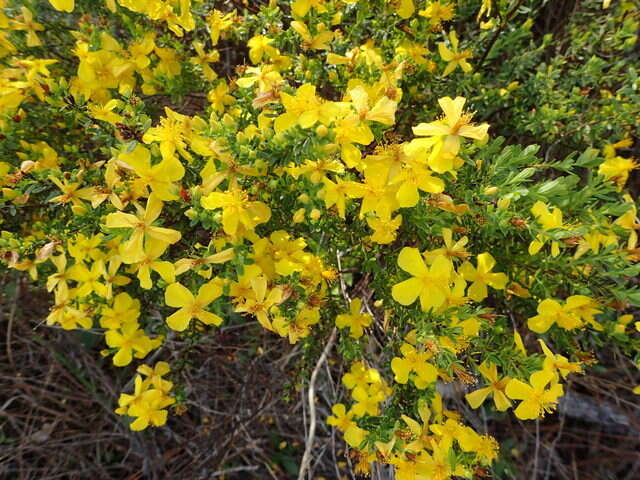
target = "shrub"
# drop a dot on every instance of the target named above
(362, 171)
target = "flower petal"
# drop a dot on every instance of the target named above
(177, 295)
(412, 262)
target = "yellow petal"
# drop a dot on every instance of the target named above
(166, 235)
(122, 358)
(414, 426)
(540, 379)
(209, 292)
(121, 220)
(540, 323)
(209, 318)
(432, 129)
(407, 195)
(478, 132)
(401, 368)
(501, 401)
(179, 321)
(132, 250)
(518, 390)
(63, 5)
(177, 295)
(412, 262)
(154, 208)
(477, 291)
(452, 109)
(166, 270)
(354, 436)
(427, 372)
(527, 410)
(405, 293)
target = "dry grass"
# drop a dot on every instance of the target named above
(243, 416)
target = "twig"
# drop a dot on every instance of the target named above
(12, 314)
(552, 447)
(343, 286)
(537, 450)
(306, 458)
(245, 468)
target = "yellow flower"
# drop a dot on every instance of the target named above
(481, 276)
(354, 436)
(438, 12)
(536, 399)
(185, 264)
(154, 376)
(384, 229)
(299, 327)
(129, 339)
(450, 129)
(451, 249)
(111, 276)
(415, 176)
(145, 404)
(300, 8)
(258, 302)
(237, 210)
(577, 310)
(383, 111)
(496, 388)
(219, 22)
(519, 344)
(367, 401)
(288, 254)
(617, 169)
(585, 308)
(154, 249)
(335, 194)
(29, 25)
(453, 56)
(354, 320)
(123, 310)
(341, 419)
(178, 296)
(360, 376)
(304, 108)
(203, 59)
(421, 436)
(219, 97)
(105, 112)
(161, 177)
(58, 281)
(72, 193)
(88, 279)
(404, 8)
(414, 361)
(170, 134)
(317, 42)
(549, 219)
(260, 47)
(431, 284)
(557, 362)
(132, 250)
(376, 193)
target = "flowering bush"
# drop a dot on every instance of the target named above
(366, 167)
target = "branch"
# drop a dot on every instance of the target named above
(507, 19)
(306, 458)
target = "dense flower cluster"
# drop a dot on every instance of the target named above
(326, 174)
